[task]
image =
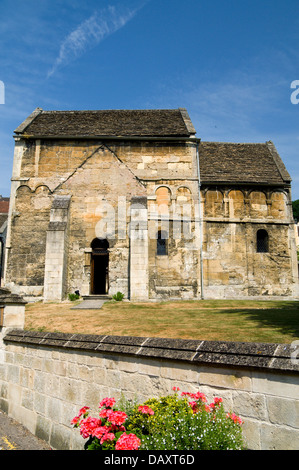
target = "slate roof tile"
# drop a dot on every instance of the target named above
(220, 162)
(142, 123)
(257, 163)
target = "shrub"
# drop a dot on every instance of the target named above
(187, 422)
(118, 296)
(73, 297)
(174, 422)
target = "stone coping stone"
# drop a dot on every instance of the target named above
(222, 353)
(8, 298)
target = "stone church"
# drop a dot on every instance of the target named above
(132, 201)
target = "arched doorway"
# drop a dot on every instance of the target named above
(99, 276)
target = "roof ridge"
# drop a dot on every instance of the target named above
(232, 143)
(110, 110)
(108, 122)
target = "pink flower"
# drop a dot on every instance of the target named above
(88, 425)
(103, 413)
(83, 410)
(146, 410)
(109, 436)
(200, 396)
(196, 396)
(100, 431)
(194, 406)
(217, 400)
(116, 417)
(128, 442)
(107, 402)
(236, 419)
(75, 420)
(175, 389)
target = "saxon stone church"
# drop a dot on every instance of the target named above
(132, 201)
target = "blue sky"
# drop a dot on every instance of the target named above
(231, 63)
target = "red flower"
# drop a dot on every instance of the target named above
(116, 417)
(100, 431)
(128, 442)
(83, 410)
(75, 420)
(194, 406)
(107, 402)
(109, 436)
(236, 419)
(103, 413)
(200, 396)
(217, 400)
(196, 396)
(88, 426)
(146, 410)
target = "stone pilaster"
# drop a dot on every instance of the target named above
(139, 249)
(56, 250)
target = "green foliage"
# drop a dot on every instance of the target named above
(73, 297)
(170, 405)
(295, 205)
(172, 422)
(199, 431)
(174, 426)
(118, 296)
(127, 405)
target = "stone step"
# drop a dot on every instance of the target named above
(96, 297)
(92, 302)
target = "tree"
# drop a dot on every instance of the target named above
(295, 205)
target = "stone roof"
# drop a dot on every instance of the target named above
(140, 123)
(220, 162)
(250, 163)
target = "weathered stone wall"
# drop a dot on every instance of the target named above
(45, 378)
(232, 263)
(101, 178)
(26, 248)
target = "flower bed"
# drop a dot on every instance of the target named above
(180, 421)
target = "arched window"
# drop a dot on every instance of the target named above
(262, 241)
(163, 195)
(162, 243)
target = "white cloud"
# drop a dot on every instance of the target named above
(91, 32)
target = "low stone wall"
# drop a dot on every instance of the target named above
(46, 377)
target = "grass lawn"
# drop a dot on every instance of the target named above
(217, 320)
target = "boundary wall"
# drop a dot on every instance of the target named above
(45, 378)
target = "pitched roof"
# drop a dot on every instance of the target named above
(140, 123)
(222, 162)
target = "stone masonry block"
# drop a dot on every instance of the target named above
(283, 412)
